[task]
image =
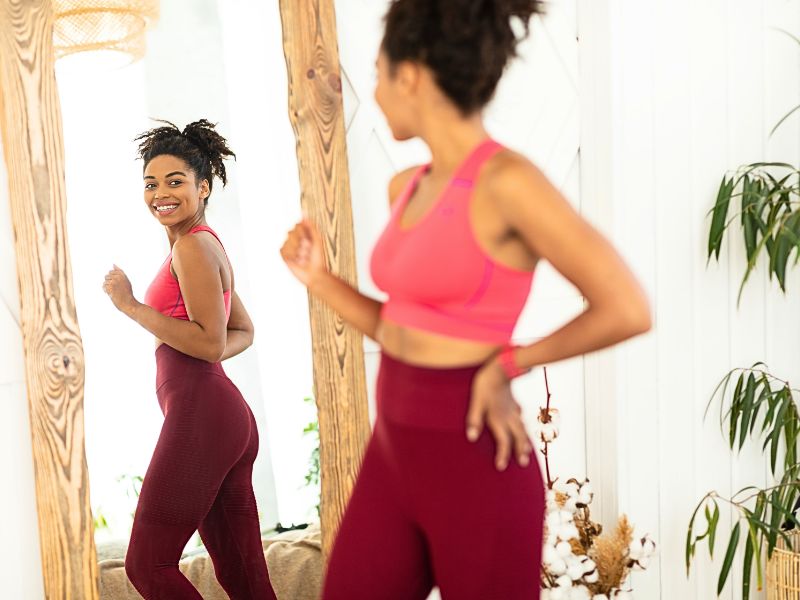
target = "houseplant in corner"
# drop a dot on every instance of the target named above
(763, 199)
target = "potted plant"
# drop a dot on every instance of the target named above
(764, 199)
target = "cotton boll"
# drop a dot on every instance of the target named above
(557, 594)
(588, 564)
(564, 581)
(571, 504)
(568, 532)
(592, 577)
(575, 571)
(548, 433)
(553, 520)
(621, 595)
(549, 554)
(596, 596)
(563, 549)
(579, 592)
(635, 550)
(586, 494)
(549, 416)
(557, 567)
(648, 546)
(557, 518)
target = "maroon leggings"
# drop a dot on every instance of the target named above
(429, 508)
(200, 478)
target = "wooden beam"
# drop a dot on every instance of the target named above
(30, 123)
(317, 116)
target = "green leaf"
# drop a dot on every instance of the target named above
(747, 408)
(775, 435)
(712, 529)
(719, 216)
(762, 397)
(733, 419)
(728, 561)
(791, 35)
(749, 194)
(690, 545)
(786, 116)
(747, 567)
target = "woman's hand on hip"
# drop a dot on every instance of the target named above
(492, 405)
(118, 287)
(303, 253)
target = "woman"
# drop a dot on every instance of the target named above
(438, 500)
(200, 476)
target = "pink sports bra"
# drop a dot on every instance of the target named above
(438, 278)
(164, 293)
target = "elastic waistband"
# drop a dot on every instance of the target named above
(430, 374)
(171, 363)
(425, 397)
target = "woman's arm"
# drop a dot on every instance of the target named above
(617, 307)
(240, 329)
(303, 254)
(204, 335)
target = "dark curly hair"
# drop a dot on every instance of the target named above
(466, 43)
(198, 145)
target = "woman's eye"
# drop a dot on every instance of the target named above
(175, 182)
(150, 186)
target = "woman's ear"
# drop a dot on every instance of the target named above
(407, 75)
(204, 189)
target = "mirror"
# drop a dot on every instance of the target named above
(224, 62)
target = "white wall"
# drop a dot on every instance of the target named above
(678, 93)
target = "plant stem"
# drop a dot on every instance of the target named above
(550, 482)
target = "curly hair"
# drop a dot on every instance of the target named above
(466, 43)
(198, 145)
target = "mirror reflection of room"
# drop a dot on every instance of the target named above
(108, 101)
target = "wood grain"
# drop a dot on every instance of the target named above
(317, 116)
(30, 122)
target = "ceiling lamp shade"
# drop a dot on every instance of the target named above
(118, 25)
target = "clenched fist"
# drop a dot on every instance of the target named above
(303, 253)
(118, 287)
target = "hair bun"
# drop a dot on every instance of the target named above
(199, 145)
(466, 43)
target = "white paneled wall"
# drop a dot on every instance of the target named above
(681, 92)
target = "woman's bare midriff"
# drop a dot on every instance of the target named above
(424, 349)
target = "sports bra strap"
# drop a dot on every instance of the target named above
(468, 171)
(197, 228)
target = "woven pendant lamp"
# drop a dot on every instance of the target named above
(118, 25)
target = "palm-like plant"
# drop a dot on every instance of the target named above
(761, 406)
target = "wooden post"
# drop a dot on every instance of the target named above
(30, 123)
(317, 116)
